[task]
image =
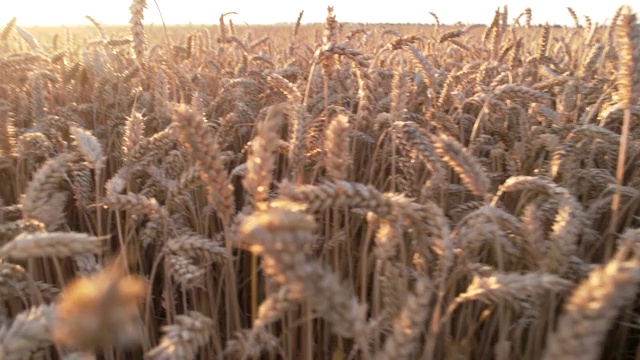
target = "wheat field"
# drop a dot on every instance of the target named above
(328, 191)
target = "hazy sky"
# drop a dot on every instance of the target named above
(69, 12)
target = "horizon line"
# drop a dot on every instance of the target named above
(288, 23)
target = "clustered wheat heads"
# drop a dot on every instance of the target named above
(325, 191)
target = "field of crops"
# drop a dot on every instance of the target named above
(329, 191)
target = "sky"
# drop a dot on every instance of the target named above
(72, 12)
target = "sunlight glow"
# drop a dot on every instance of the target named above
(72, 12)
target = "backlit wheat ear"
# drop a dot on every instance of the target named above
(465, 165)
(568, 220)
(195, 137)
(509, 287)
(338, 194)
(587, 67)
(45, 182)
(628, 82)
(450, 35)
(498, 32)
(527, 13)
(566, 230)
(543, 45)
(156, 146)
(29, 331)
(50, 244)
(182, 339)
(261, 161)
(137, 28)
(296, 29)
(277, 234)
(89, 147)
(10, 230)
(393, 287)
(184, 271)
(627, 36)
(574, 16)
(43, 199)
(437, 25)
(422, 64)
(593, 307)
(489, 227)
(7, 29)
(98, 26)
(408, 325)
(135, 203)
(16, 283)
(251, 343)
(337, 147)
(224, 32)
(100, 311)
(286, 88)
(495, 23)
(387, 239)
(275, 306)
(519, 92)
(300, 125)
(28, 38)
(133, 133)
(198, 247)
